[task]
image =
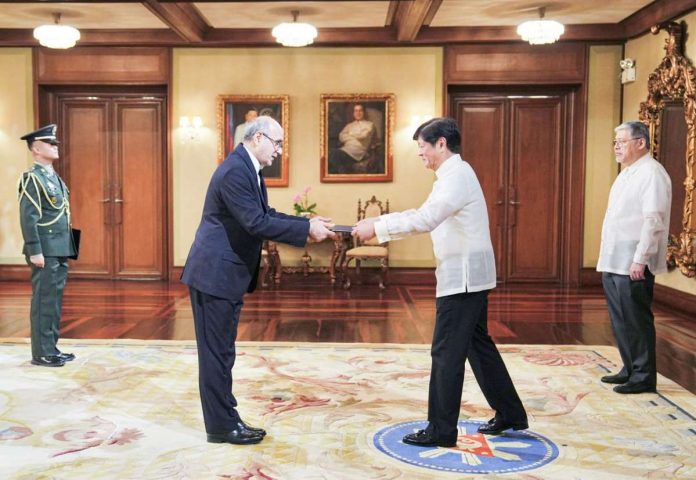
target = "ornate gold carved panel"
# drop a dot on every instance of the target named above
(675, 79)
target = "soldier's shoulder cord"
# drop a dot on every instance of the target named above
(27, 178)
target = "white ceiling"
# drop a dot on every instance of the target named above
(326, 14)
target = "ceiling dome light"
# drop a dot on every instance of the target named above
(56, 36)
(294, 34)
(539, 32)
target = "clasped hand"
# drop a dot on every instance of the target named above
(319, 229)
(364, 229)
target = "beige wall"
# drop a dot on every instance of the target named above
(648, 52)
(603, 114)
(16, 119)
(414, 75)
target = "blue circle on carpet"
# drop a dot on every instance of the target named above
(474, 453)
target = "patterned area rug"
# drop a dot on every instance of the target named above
(130, 410)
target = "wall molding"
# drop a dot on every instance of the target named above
(14, 273)
(590, 277)
(674, 300)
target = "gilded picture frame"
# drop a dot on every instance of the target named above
(356, 137)
(232, 112)
(675, 80)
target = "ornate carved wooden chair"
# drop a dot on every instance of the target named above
(271, 268)
(370, 250)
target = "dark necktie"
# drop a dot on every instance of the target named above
(264, 193)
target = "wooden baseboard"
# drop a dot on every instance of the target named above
(397, 276)
(590, 277)
(676, 301)
(175, 273)
(14, 273)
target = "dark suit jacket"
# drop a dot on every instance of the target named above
(225, 255)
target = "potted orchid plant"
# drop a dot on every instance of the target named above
(302, 206)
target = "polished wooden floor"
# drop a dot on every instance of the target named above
(310, 310)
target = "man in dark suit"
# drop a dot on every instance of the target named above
(44, 214)
(223, 265)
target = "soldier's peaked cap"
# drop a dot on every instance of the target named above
(45, 134)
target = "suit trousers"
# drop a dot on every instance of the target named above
(47, 285)
(216, 321)
(633, 324)
(461, 332)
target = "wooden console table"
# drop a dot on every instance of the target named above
(342, 242)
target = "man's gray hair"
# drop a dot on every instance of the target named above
(636, 130)
(261, 124)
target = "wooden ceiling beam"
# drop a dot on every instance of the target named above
(656, 12)
(367, 36)
(597, 32)
(411, 16)
(183, 18)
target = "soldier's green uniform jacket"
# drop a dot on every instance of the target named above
(44, 214)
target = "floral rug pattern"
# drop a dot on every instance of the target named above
(130, 410)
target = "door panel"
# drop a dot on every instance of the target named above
(139, 190)
(113, 157)
(486, 154)
(533, 198)
(515, 145)
(85, 155)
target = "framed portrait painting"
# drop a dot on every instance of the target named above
(356, 137)
(234, 111)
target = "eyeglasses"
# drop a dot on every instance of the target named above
(277, 144)
(623, 143)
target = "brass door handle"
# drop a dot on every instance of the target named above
(513, 202)
(106, 200)
(118, 200)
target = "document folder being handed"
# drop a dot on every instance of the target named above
(342, 228)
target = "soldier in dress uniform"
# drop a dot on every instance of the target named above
(44, 213)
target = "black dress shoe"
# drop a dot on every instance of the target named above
(618, 379)
(239, 436)
(49, 361)
(423, 438)
(66, 357)
(258, 431)
(497, 425)
(634, 388)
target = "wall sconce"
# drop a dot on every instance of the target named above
(628, 70)
(191, 127)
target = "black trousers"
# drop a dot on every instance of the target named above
(461, 332)
(634, 324)
(216, 321)
(47, 285)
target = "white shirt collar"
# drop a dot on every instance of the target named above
(637, 163)
(257, 165)
(447, 165)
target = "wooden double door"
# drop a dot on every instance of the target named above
(516, 143)
(113, 160)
